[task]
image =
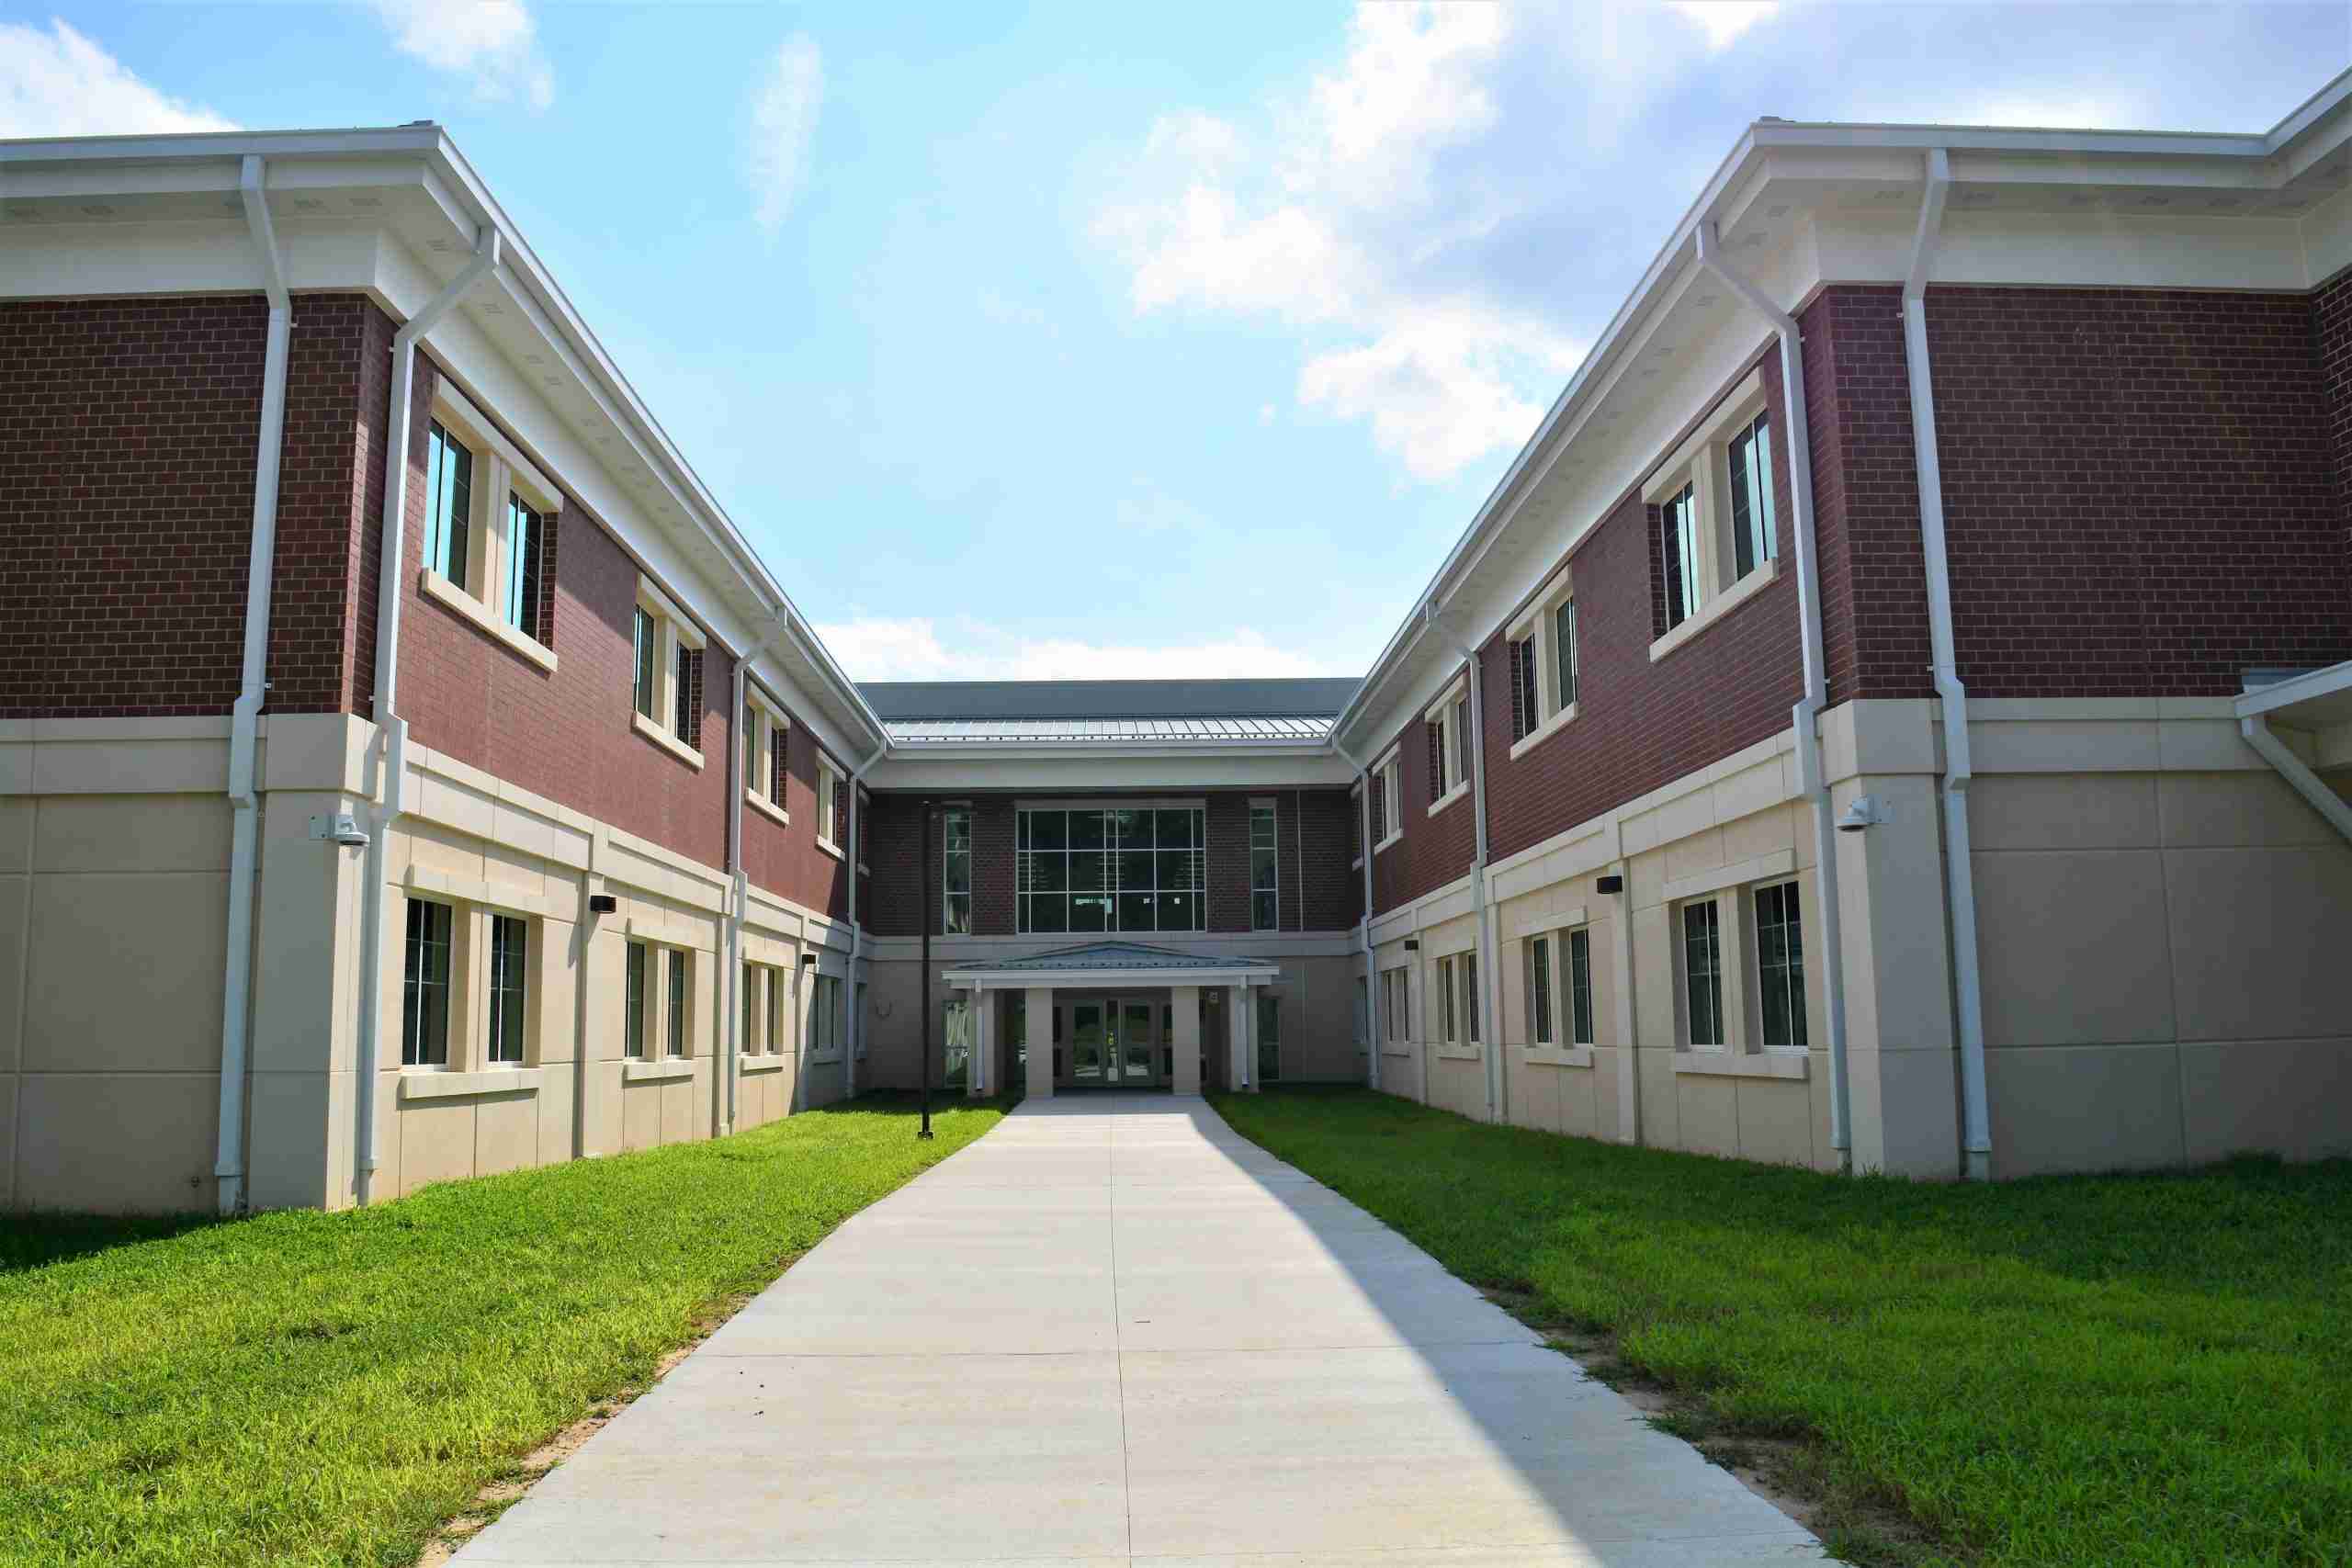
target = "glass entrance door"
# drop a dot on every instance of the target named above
(1089, 1035)
(1137, 1046)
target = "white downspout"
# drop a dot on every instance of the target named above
(389, 723)
(1960, 876)
(1807, 715)
(244, 718)
(732, 1068)
(1363, 838)
(1489, 1022)
(856, 932)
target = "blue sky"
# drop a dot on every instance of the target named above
(1089, 340)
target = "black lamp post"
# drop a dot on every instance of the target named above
(930, 913)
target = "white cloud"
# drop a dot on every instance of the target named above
(1723, 20)
(784, 123)
(918, 649)
(493, 42)
(60, 84)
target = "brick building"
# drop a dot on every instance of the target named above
(1891, 714)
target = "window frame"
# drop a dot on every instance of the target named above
(677, 1004)
(1701, 467)
(831, 777)
(1270, 891)
(1113, 890)
(949, 814)
(1792, 982)
(1542, 1014)
(1537, 631)
(674, 637)
(1388, 775)
(767, 753)
(1579, 1018)
(509, 971)
(1449, 716)
(415, 988)
(482, 587)
(1719, 980)
(1397, 1010)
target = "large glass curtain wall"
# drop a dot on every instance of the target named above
(1133, 869)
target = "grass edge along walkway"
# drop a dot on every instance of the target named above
(311, 1388)
(2146, 1368)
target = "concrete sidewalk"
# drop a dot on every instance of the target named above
(1113, 1332)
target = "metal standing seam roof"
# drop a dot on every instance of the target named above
(1125, 957)
(1016, 731)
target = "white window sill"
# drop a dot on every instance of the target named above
(1460, 1053)
(663, 738)
(1389, 840)
(663, 1071)
(768, 808)
(763, 1064)
(1716, 608)
(427, 1084)
(441, 590)
(829, 846)
(1559, 1056)
(1709, 1062)
(1449, 797)
(1546, 731)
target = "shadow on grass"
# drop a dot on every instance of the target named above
(34, 1240)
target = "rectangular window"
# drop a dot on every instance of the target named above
(1539, 990)
(748, 984)
(649, 656)
(1463, 739)
(955, 1042)
(507, 965)
(684, 705)
(449, 503)
(1526, 711)
(1779, 965)
(1448, 1030)
(1679, 541)
(955, 871)
(1579, 987)
(779, 753)
(1702, 972)
(1114, 869)
(635, 1008)
(1564, 654)
(1470, 997)
(675, 961)
(1269, 1038)
(776, 1013)
(1394, 1003)
(526, 541)
(424, 992)
(1754, 539)
(1440, 782)
(829, 799)
(1265, 873)
(750, 741)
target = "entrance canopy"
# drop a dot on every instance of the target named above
(1113, 964)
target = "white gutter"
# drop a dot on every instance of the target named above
(244, 718)
(857, 931)
(1807, 715)
(1960, 877)
(1364, 839)
(730, 1069)
(1489, 1017)
(389, 723)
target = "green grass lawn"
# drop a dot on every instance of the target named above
(2144, 1369)
(309, 1388)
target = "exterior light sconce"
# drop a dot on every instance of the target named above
(1412, 945)
(1863, 812)
(603, 904)
(1612, 882)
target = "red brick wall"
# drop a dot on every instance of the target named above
(786, 860)
(128, 439)
(1434, 850)
(2139, 489)
(2332, 330)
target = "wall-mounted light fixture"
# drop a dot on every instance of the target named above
(601, 903)
(1612, 882)
(1863, 811)
(1412, 945)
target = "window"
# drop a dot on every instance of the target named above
(1133, 868)
(665, 684)
(508, 965)
(767, 742)
(424, 993)
(827, 1023)
(1387, 798)
(831, 803)
(489, 529)
(1780, 966)
(1447, 723)
(1270, 1037)
(1469, 967)
(1543, 662)
(449, 503)
(1539, 991)
(648, 654)
(1355, 825)
(1718, 538)
(637, 1006)
(955, 1042)
(1265, 874)
(675, 962)
(1702, 972)
(1581, 987)
(778, 1014)
(956, 871)
(1396, 1017)
(1449, 1023)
